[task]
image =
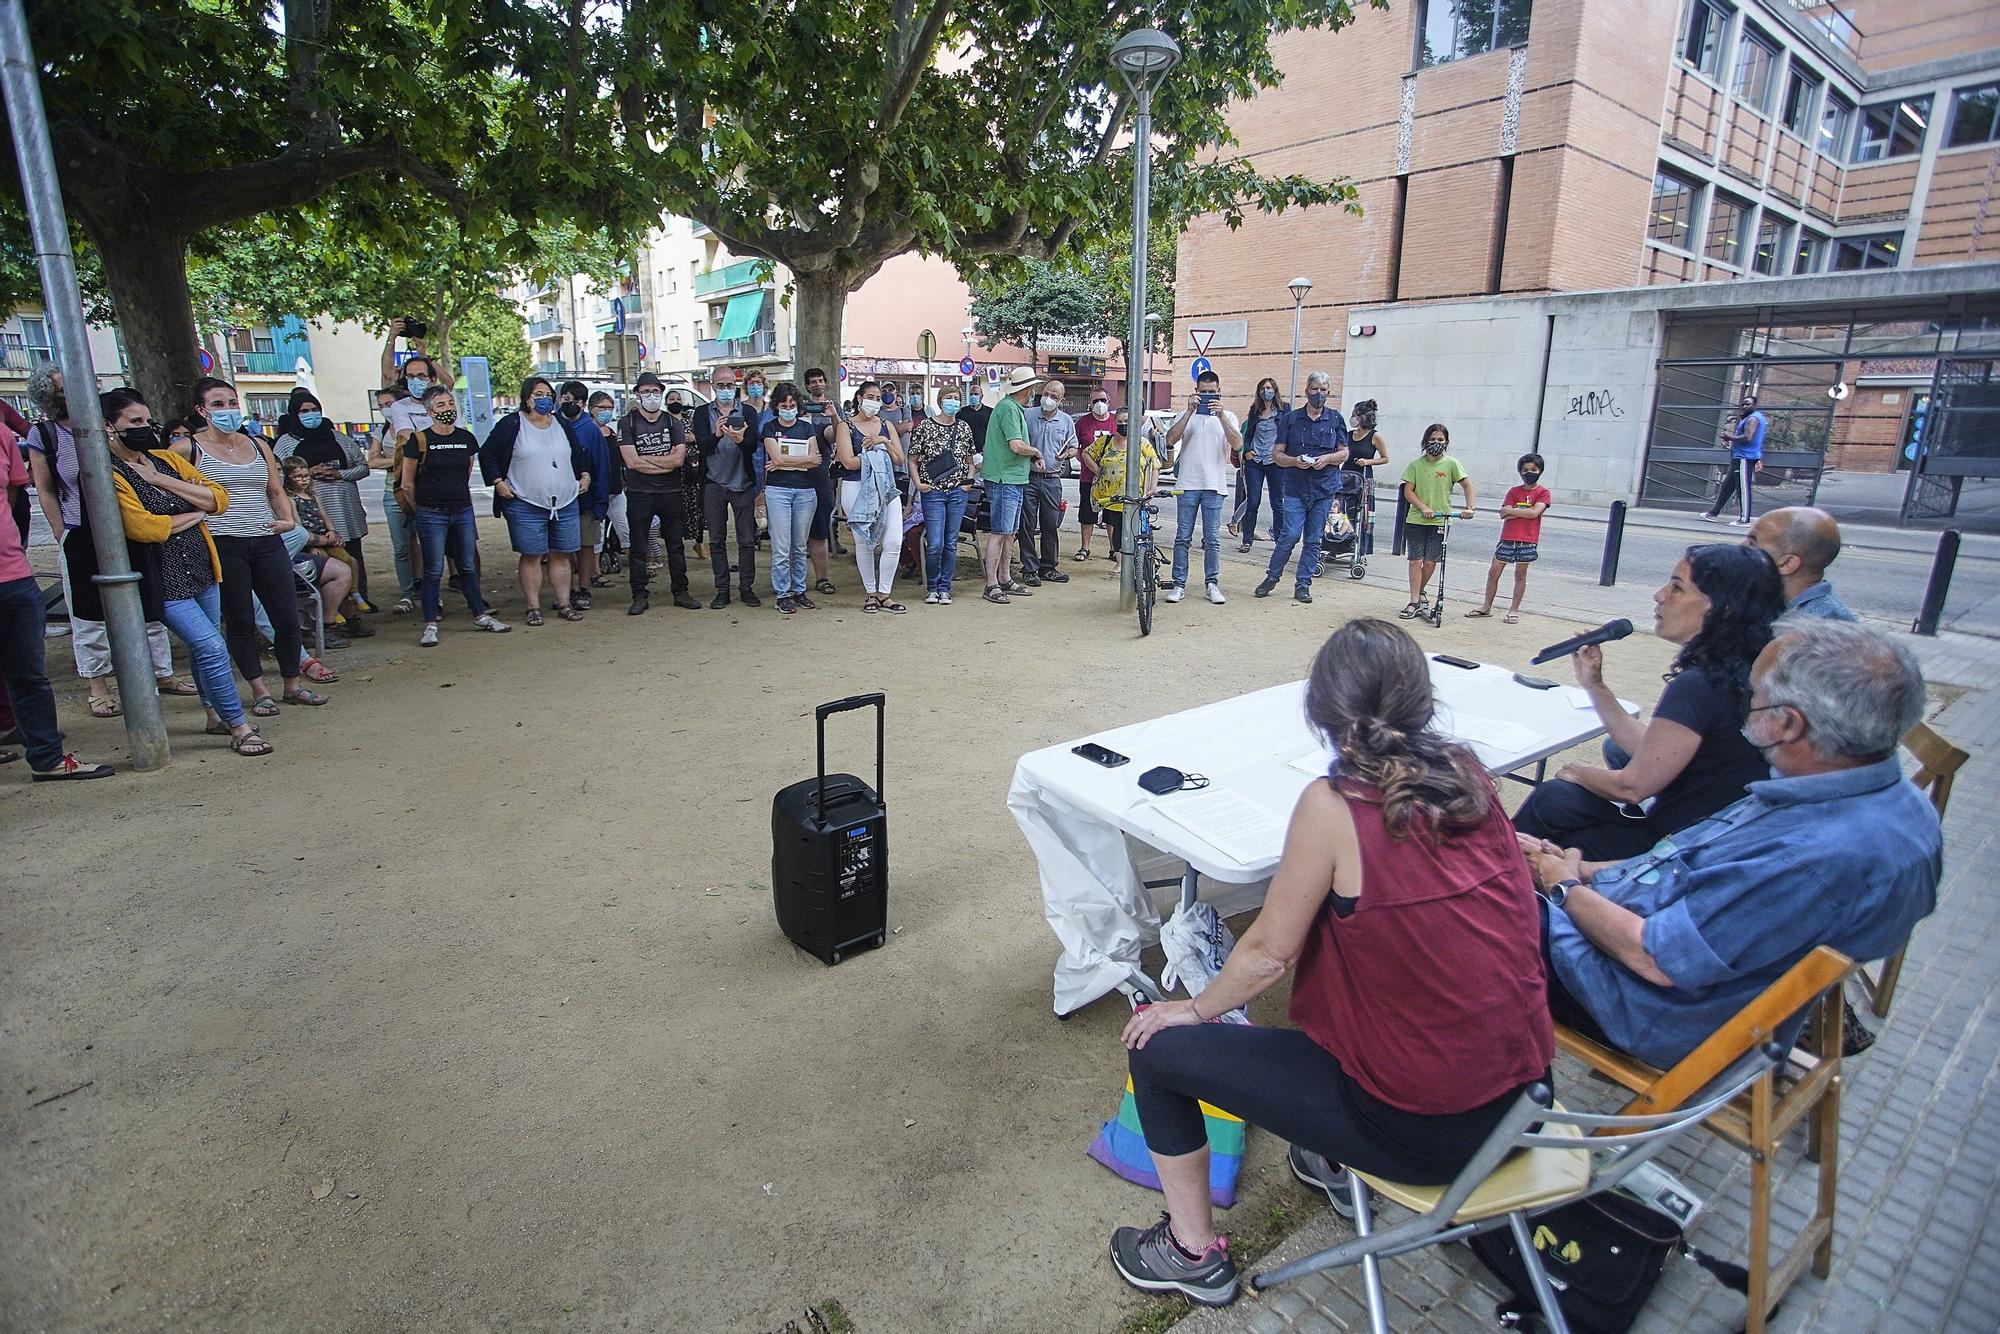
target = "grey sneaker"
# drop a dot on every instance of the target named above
(1154, 1262)
(1176, 593)
(490, 623)
(1323, 1174)
(429, 638)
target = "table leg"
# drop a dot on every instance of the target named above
(1147, 988)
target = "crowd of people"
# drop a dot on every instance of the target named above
(581, 484)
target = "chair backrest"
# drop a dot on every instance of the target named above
(1938, 762)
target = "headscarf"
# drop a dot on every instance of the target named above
(317, 444)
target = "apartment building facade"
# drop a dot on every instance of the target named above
(1512, 148)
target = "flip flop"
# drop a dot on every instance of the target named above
(1477, 612)
(103, 706)
(173, 685)
(318, 672)
(1511, 618)
(264, 707)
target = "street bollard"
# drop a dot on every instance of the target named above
(1402, 517)
(1614, 542)
(1940, 584)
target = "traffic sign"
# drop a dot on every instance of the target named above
(966, 367)
(1201, 338)
(1198, 368)
(207, 360)
(642, 352)
(618, 314)
(993, 375)
(843, 374)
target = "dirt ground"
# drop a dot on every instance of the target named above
(467, 1009)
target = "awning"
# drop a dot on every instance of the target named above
(740, 319)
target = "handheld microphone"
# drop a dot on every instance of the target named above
(1603, 634)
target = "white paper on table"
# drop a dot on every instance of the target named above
(1243, 829)
(1314, 763)
(1579, 698)
(1505, 737)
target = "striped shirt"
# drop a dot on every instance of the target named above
(249, 513)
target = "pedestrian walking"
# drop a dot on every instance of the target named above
(1746, 459)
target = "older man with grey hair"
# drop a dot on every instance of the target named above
(1312, 444)
(1654, 953)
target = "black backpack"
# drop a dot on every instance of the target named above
(1603, 1255)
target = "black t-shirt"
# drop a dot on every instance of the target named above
(651, 440)
(444, 470)
(1723, 766)
(800, 430)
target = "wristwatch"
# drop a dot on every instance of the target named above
(1558, 893)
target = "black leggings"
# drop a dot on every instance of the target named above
(258, 567)
(1574, 817)
(1282, 1080)
(359, 561)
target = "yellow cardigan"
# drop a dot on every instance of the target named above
(142, 525)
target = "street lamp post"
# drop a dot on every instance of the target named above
(1299, 287)
(1142, 58)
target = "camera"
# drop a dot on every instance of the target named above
(416, 329)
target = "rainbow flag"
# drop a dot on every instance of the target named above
(1121, 1146)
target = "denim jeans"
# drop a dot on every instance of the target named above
(451, 532)
(1256, 477)
(944, 514)
(197, 622)
(1208, 504)
(400, 532)
(1302, 517)
(789, 511)
(23, 652)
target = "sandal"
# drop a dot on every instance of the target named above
(317, 672)
(173, 685)
(250, 744)
(103, 706)
(264, 706)
(1410, 611)
(993, 594)
(300, 695)
(600, 582)
(217, 728)
(534, 616)
(1511, 618)
(1082, 555)
(569, 613)
(1477, 612)
(824, 586)
(870, 604)
(891, 606)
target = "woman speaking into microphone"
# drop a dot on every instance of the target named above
(1691, 760)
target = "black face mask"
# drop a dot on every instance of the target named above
(139, 439)
(1530, 477)
(572, 410)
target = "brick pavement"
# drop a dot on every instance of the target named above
(1917, 1240)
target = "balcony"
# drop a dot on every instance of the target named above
(551, 368)
(15, 357)
(743, 273)
(267, 363)
(606, 320)
(762, 344)
(549, 326)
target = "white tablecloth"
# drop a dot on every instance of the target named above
(1097, 836)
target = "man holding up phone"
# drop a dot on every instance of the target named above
(1207, 436)
(1312, 444)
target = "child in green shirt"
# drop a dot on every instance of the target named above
(1427, 485)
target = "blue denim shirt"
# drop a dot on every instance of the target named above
(1849, 859)
(1819, 600)
(1303, 437)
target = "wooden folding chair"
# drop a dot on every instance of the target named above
(1938, 762)
(1806, 1084)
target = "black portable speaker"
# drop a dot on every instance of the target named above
(830, 852)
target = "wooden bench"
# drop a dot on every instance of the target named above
(1806, 1085)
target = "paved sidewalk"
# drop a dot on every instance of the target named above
(1917, 1240)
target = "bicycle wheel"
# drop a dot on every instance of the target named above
(1144, 568)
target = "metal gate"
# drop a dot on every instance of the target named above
(1959, 437)
(1685, 456)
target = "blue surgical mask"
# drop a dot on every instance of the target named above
(543, 404)
(948, 407)
(1268, 395)
(725, 393)
(754, 391)
(226, 420)
(976, 395)
(1316, 397)
(312, 421)
(788, 415)
(604, 414)
(417, 385)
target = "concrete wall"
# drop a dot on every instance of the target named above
(1477, 367)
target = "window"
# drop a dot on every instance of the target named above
(1770, 248)
(1834, 123)
(1756, 68)
(674, 337)
(1867, 252)
(1801, 91)
(1726, 219)
(697, 331)
(1454, 29)
(1673, 210)
(1708, 27)
(1892, 129)
(267, 407)
(1809, 256)
(1973, 118)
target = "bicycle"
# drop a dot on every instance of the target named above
(1146, 562)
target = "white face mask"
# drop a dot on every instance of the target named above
(869, 406)
(1050, 402)
(652, 402)
(1100, 408)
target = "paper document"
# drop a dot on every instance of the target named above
(1243, 829)
(1505, 737)
(1314, 763)
(1578, 697)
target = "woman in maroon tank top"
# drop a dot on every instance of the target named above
(1420, 1001)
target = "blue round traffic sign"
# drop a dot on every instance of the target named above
(207, 360)
(1199, 367)
(966, 367)
(642, 351)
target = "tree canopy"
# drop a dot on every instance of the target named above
(1046, 300)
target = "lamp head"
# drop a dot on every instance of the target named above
(1143, 57)
(1299, 287)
